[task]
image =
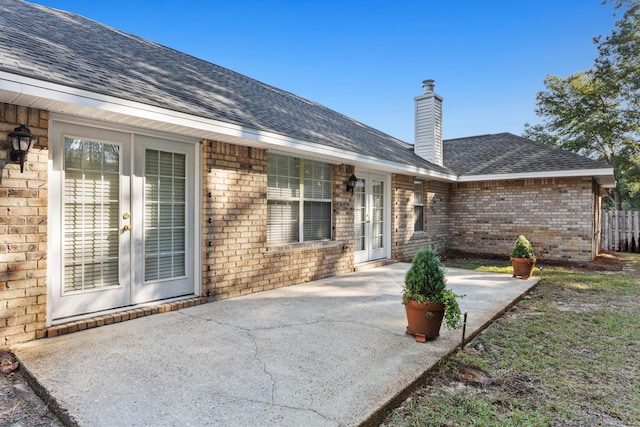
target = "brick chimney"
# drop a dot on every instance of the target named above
(428, 142)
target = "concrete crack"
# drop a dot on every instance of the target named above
(256, 355)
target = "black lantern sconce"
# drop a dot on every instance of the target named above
(21, 141)
(351, 183)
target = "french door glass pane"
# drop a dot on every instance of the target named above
(359, 216)
(164, 215)
(91, 212)
(377, 232)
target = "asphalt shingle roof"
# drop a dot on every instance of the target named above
(68, 49)
(505, 153)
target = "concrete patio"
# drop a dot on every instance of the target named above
(327, 353)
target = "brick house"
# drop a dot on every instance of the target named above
(159, 180)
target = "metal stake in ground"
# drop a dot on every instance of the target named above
(464, 328)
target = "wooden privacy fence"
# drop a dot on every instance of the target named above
(621, 231)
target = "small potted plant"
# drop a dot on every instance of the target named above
(426, 299)
(522, 258)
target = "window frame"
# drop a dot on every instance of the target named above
(418, 204)
(300, 196)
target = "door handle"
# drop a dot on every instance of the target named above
(126, 228)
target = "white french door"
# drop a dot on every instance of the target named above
(122, 222)
(371, 218)
(163, 194)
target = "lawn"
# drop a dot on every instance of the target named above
(567, 354)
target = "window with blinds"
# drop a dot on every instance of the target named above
(165, 215)
(298, 189)
(418, 206)
(91, 215)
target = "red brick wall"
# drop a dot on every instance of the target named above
(406, 241)
(23, 230)
(558, 216)
(237, 259)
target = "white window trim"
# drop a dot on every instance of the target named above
(301, 201)
(416, 204)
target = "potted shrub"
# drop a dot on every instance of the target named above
(522, 258)
(426, 299)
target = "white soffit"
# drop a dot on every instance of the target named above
(56, 98)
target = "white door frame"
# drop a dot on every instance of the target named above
(61, 125)
(370, 254)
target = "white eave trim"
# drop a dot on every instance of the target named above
(70, 101)
(58, 98)
(92, 101)
(604, 177)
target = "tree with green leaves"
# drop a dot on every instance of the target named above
(596, 112)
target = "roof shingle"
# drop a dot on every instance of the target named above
(505, 153)
(64, 48)
(68, 49)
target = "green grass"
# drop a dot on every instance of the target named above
(567, 354)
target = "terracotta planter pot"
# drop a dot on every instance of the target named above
(424, 320)
(523, 267)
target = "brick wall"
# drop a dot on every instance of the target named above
(237, 260)
(23, 230)
(557, 215)
(406, 241)
(438, 216)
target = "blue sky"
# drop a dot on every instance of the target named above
(367, 58)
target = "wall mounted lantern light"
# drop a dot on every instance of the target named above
(351, 183)
(21, 141)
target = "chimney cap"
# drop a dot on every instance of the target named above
(428, 85)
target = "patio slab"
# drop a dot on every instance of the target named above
(326, 353)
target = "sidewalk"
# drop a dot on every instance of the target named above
(326, 353)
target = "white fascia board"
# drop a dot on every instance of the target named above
(95, 101)
(60, 95)
(606, 175)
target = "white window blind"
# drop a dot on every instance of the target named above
(418, 206)
(377, 212)
(360, 215)
(164, 218)
(91, 212)
(296, 189)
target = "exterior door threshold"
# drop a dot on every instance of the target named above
(121, 316)
(372, 264)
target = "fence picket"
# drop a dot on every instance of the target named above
(620, 231)
(636, 230)
(604, 232)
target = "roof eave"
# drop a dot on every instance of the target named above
(80, 103)
(604, 177)
(57, 98)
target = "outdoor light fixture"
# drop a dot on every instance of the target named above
(21, 141)
(351, 183)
